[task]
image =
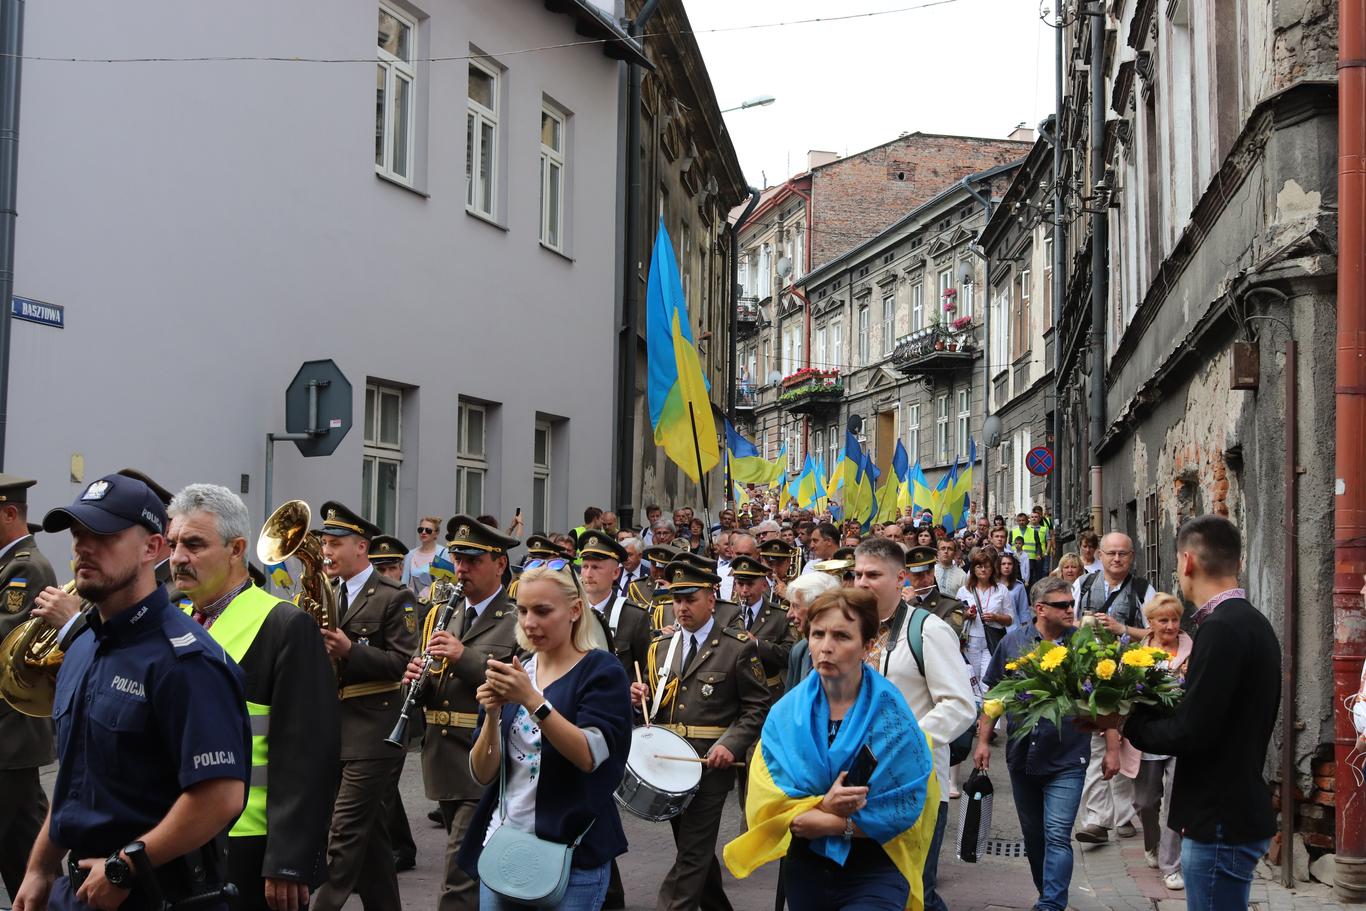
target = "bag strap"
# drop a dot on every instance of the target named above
(502, 774)
(915, 635)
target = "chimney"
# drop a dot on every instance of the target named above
(815, 158)
(1022, 132)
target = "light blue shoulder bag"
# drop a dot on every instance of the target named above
(518, 865)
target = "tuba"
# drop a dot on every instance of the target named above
(286, 534)
(29, 660)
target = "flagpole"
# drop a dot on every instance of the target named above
(701, 476)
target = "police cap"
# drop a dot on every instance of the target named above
(110, 505)
(162, 493)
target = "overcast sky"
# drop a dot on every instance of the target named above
(967, 67)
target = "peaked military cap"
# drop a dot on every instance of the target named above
(701, 562)
(776, 549)
(685, 577)
(595, 543)
(746, 567)
(14, 489)
(663, 553)
(164, 495)
(386, 548)
(921, 559)
(844, 553)
(339, 521)
(468, 537)
(542, 547)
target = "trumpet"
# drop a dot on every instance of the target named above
(30, 657)
(398, 736)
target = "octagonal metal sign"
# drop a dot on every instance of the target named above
(318, 402)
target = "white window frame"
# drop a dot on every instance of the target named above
(835, 442)
(913, 432)
(765, 277)
(821, 361)
(964, 422)
(941, 427)
(471, 462)
(888, 323)
(917, 305)
(863, 318)
(965, 298)
(397, 70)
(945, 283)
(836, 348)
(799, 254)
(541, 471)
(481, 117)
(552, 234)
(377, 451)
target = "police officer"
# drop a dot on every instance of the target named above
(924, 589)
(712, 693)
(484, 627)
(277, 848)
(152, 730)
(377, 632)
(25, 742)
(386, 556)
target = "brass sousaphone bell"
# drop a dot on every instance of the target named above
(286, 534)
(30, 657)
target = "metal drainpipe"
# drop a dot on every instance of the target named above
(735, 300)
(1349, 507)
(985, 202)
(12, 49)
(1099, 276)
(629, 334)
(1059, 277)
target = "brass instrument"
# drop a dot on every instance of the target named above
(836, 568)
(286, 534)
(29, 660)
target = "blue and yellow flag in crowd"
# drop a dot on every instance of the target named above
(747, 464)
(793, 767)
(680, 411)
(279, 574)
(855, 481)
(441, 567)
(953, 512)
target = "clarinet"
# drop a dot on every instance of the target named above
(398, 736)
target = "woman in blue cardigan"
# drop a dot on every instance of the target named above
(566, 719)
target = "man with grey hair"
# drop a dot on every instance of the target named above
(663, 531)
(742, 544)
(766, 530)
(277, 849)
(633, 568)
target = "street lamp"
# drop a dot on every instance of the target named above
(758, 101)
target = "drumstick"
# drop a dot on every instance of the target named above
(687, 759)
(644, 713)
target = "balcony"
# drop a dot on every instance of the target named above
(935, 350)
(746, 397)
(746, 318)
(811, 391)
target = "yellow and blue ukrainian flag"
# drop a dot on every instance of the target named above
(680, 411)
(793, 768)
(441, 568)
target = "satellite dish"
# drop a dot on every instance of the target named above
(991, 431)
(855, 424)
(774, 377)
(784, 266)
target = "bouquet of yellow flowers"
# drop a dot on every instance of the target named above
(1092, 675)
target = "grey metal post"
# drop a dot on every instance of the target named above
(11, 61)
(1099, 285)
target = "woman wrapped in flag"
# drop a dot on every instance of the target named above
(842, 846)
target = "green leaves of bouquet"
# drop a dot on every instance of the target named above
(1092, 675)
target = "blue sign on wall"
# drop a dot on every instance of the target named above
(38, 312)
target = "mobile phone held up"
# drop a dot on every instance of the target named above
(861, 769)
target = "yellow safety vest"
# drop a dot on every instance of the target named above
(235, 630)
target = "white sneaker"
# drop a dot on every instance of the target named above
(1174, 881)
(1150, 858)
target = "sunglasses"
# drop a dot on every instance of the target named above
(1068, 604)
(553, 565)
(425, 531)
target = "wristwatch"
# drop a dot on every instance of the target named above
(118, 872)
(544, 711)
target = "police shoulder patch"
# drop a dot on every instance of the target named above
(184, 644)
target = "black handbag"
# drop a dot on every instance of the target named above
(974, 817)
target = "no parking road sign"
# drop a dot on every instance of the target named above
(1039, 460)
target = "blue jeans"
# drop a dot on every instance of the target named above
(868, 881)
(586, 891)
(1219, 874)
(933, 901)
(1047, 807)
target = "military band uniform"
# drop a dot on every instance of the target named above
(25, 743)
(291, 694)
(945, 607)
(381, 622)
(452, 713)
(720, 698)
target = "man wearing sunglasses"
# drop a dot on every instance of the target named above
(1047, 768)
(484, 627)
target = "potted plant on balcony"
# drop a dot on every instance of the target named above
(950, 300)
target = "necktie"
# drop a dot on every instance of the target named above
(749, 618)
(343, 600)
(471, 617)
(691, 653)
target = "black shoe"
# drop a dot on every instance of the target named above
(435, 816)
(404, 862)
(614, 901)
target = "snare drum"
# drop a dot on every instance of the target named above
(658, 789)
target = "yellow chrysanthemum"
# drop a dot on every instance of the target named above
(1137, 657)
(993, 708)
(1012, 665)
(1054, 658)
(1105, 669)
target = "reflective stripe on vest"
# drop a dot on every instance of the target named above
(235, 630)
